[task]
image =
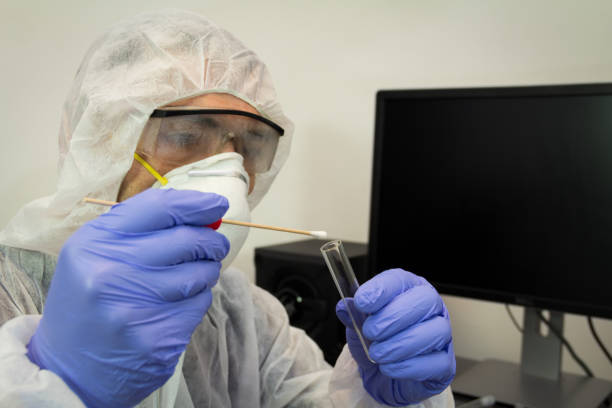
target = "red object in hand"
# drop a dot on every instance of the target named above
(215, 224)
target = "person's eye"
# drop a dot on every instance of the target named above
(181, 139)
(255, 137)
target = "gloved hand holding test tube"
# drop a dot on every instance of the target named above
(397, 331)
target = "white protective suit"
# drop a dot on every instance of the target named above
(244, 353)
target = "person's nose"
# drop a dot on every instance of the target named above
(228, 146)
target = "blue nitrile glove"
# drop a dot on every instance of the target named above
(410, 331)
(129, 289)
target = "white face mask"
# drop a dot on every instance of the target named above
(222, 174)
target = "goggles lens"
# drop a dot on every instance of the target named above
(179, 137)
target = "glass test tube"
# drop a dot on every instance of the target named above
(346, 282)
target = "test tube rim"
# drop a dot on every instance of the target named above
(330, 245)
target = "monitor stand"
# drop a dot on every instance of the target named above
(538, 381)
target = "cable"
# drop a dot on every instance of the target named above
(578, 360)
(518, 327)
(597, 339)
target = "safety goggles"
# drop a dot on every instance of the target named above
(184, 135)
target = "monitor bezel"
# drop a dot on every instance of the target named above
(383, 96)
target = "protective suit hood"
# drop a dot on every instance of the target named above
(141, 64)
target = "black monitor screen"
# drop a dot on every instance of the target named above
(501, 194)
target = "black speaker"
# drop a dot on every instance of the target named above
(297, 275)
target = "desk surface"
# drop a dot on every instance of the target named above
(464, 365)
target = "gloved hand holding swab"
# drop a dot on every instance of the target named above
(215, 225)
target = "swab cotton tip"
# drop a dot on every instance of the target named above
(319, 234)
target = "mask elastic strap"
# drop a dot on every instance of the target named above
(162, 180)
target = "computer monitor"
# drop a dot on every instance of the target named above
(501, 194)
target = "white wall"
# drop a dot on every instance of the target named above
(328, 60)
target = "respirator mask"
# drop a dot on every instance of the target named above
(195, 141)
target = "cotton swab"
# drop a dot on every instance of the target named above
(316, 234)
(101, 202)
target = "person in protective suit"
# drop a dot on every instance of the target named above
(137, 304)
